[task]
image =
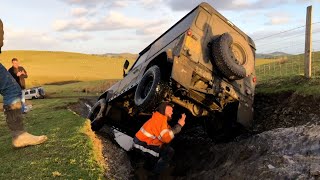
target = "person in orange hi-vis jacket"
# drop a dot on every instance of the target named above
(154, 136)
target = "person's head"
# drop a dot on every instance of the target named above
(165, 108)
(15, 62)
(1, 35)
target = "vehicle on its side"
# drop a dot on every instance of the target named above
(34, 93)
(203, 63)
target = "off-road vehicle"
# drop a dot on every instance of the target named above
(203, 63)
(34, 93)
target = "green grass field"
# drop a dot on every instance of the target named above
(68, 153)
(47, 67)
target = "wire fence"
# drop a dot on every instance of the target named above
(288, 66)
(290, 41)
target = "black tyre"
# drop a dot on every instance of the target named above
(97, 115)
(223, 126)
(234, 59)
(150, 90)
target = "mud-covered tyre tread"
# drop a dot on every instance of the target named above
(155, 94)
(223, 127)
(227, 66)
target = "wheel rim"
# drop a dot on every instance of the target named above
(239, 55)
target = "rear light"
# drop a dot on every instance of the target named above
(254, 79)
(189, 32)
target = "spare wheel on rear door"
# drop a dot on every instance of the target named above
(233, 56)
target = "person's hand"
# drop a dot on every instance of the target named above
(182, 120)
(19, 73)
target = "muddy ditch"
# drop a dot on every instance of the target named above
(284, 144)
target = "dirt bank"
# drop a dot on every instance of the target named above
(118, 164)
(284, 144)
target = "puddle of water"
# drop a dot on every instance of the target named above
(125, 141)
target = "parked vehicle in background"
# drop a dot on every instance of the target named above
(35, 93)
(204, 64)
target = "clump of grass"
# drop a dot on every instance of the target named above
(297, 84)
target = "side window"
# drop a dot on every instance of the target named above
(141, 59)
(32, 91)
(201, 20)
(26, 93)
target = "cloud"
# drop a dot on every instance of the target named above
(79, 11)
(90, 3)
(151, 3)
(76, 37)
(181, 5)
(119, 4)
(29, 39)
(77, 24)
(277, 18)
(112, 21)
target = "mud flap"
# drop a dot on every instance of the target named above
(245, 114)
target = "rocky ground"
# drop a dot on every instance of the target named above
(284, 144)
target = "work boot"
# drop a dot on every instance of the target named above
(20, 138)
(23, 139)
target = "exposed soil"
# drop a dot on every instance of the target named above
(284, 144)
(118, 164)
(62, 82)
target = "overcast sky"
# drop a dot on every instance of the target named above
(115, 26)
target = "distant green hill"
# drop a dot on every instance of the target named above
(121, 55)
(273, 55)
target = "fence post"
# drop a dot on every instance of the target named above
(308, 43)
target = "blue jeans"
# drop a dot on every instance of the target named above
(9, 88)
(23, 101)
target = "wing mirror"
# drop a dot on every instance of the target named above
(125, 66)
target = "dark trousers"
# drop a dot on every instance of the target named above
(166, 155)
(156, 164)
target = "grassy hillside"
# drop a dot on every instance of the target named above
(289, 66)
(47, 67)
(260, 61)
(288, 76)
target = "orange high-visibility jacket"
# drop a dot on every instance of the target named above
(155, 131)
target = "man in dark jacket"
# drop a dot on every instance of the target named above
(19, 74)
(11, 92)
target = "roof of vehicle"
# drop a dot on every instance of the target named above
(34, 87)
(209, 9)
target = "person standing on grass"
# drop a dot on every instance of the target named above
(11, 92)
(19, 74)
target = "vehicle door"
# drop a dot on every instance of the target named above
(130, 80)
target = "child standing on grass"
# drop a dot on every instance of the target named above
(11, 92)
